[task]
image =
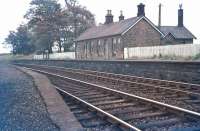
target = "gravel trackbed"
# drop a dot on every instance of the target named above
(21, 106)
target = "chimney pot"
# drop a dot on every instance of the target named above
(108, 12)
(141, 10)
(121, 17)
(180, 16)
(109, 17)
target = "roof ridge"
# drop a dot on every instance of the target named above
(168, 26)
(103, 30)
(178, 32)
(120, 21)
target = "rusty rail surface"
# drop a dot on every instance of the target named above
(177, 111)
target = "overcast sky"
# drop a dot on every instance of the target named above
(12, 12)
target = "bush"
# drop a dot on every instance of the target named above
(196, 57)
(39, 52)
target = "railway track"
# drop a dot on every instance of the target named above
(125, 110)
(88, 118)
(183, 95)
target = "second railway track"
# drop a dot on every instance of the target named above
(129, 109)
(183, 95)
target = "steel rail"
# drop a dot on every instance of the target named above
(117, 79)
(139, 83)
(119, 121)
(127, 95)
(108, 115)
(173, 82)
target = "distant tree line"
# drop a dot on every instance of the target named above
(49, 24)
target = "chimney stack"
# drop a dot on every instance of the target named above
(109, 17)
(159, 16)
(141, 11)
(121, 17)
(180, 16)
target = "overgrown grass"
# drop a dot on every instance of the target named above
(10, 57)
(197, 57)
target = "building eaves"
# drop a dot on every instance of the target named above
(177, 32)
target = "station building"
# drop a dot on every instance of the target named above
(107, 41)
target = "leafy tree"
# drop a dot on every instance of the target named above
(78, 20)
(48, 24)
(20, 41)
(43, 16)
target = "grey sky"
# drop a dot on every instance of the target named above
(12, 11)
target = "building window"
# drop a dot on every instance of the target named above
(89, 48)
(113, 46)
(92, 47)
(119, 40)
(114, 41)
(98, 47)
(104, 46)
(85, 49)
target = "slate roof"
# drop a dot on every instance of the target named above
(120, 27)
(108, 29)
(177, 32)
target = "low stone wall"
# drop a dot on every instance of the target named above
(168, 70)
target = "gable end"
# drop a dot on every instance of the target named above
(148, 21)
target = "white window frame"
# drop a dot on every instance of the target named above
(119, 40)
